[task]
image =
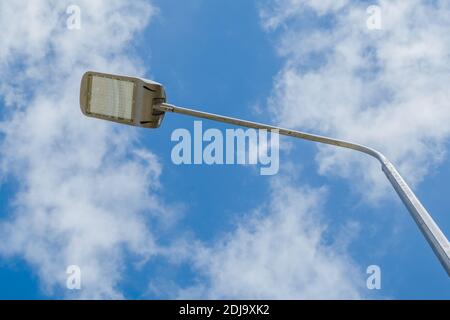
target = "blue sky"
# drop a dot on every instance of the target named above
(228, 58)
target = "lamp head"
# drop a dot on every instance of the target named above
(122, 99)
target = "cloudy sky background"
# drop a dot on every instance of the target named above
(77, 191)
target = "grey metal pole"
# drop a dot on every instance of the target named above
(433, 234)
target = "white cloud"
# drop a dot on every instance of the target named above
(278, 252)
(385, 88)
(85, 193)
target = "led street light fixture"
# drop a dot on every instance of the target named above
(122, 99)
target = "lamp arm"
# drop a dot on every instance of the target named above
(431, 231)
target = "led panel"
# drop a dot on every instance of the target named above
(111, 97)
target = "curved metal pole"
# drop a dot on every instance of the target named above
(423, 219)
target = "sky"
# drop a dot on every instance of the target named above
(109, 199)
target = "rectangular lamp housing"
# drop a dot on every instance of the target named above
(121, 99)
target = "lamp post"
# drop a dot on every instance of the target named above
(140, 102)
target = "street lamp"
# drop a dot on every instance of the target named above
(122, 99)
(142, 103)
